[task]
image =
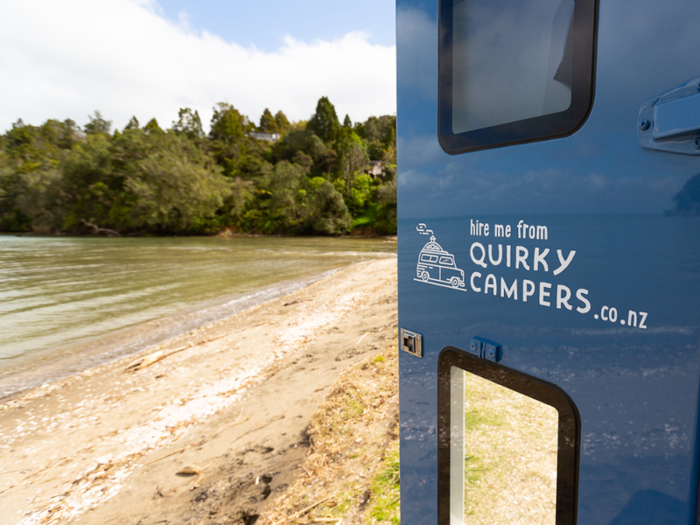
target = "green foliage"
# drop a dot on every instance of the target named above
(152, 127)
(173, 187)
(351, 158)
(329, 214)
(227, 124)
(145, 180)
(361, 192)
(132, 124)
(189, 124)
(386, 208)
(268, 124)
(98, 125)
(324, 122)
(282, 122)
(379, 134)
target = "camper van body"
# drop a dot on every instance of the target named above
(553, 149)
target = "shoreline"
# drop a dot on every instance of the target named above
(359, 232)
(64, 361)
(75, 326)
(235, 395)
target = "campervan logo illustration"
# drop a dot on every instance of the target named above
(436, 266)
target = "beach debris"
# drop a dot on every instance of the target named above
(96, 230)
(145, 361)
(304, 511)
(191, 470)
(295, 301)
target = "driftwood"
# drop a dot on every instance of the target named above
(97, 230)
(304, 511)
(148, 360)
(295, 301)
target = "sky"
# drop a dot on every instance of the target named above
(149, 58)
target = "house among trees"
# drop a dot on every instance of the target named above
(375, 168)
(270, 137)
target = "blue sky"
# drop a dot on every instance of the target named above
(149, 58)
(263, 23)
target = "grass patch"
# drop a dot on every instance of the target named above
(385, 489)
(353, 465)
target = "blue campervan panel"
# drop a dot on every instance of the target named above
(549, 249)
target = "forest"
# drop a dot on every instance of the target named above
(314, 179)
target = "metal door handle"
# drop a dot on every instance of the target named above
(671, 122)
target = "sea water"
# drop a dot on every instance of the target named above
(70, 303)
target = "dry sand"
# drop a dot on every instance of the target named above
(208, 428)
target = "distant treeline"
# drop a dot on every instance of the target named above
(58, 178)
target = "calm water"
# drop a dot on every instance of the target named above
(68, 303)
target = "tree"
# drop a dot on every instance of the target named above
(268, 124)
(295, 141)
(189, 124)
(227, 124)
(132, 124)
(352, 157)
(98, 125)
(347, 123)
(152, 127)
(386, 208)
(286, 183)
(379, 134)
(90, 182)
(328, 213)
(175, 187)
(282, 122)
(228, 141)
(324, 123)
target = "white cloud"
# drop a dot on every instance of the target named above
(66, 59)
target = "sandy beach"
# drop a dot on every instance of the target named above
(211, 427)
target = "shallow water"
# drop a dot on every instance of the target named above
(76, 302)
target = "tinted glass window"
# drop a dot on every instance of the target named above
(505, 60)
(513, 70)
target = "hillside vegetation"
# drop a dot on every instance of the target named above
(58, 178)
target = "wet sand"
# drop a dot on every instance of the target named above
(221, 403)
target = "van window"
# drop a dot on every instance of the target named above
(513, 71)
(503, 438)
(428, 258)
(446, 260)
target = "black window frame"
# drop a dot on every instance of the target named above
(554, 125)
(569, 434)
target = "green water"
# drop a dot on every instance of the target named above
(67, 296)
